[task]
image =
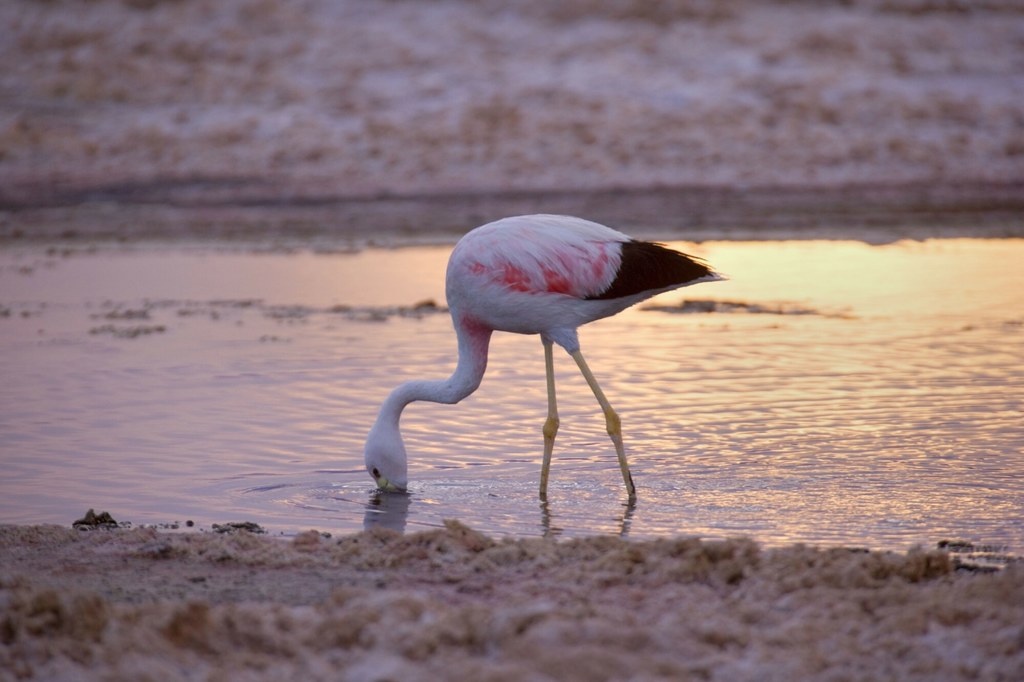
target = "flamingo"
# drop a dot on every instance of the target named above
(533, 274)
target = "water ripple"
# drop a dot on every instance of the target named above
(891, 420)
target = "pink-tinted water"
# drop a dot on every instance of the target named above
(880, 406)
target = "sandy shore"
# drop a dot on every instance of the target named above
(386, 120)
(454, 604)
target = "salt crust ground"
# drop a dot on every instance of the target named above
(454, 604)
(315, 97)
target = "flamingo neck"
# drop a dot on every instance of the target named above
(473, 340)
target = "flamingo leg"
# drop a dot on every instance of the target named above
(611, 421)
(551, 423)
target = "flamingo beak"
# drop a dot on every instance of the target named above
(387, 486)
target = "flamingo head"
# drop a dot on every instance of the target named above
(385, 457)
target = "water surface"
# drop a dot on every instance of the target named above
(860, 395)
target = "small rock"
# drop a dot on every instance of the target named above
(237, 526)
(92, 521)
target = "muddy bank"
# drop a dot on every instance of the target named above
(452, 603)
(873, 213)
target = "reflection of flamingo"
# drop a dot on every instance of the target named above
(540, 274)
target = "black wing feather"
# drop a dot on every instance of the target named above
(648, 266)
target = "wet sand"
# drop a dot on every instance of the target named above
(868, 212)
(452, 603)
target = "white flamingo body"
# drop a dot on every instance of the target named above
(533, 274)
(539, 274)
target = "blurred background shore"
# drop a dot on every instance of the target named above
(218, 118)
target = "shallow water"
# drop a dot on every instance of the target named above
(873, 397)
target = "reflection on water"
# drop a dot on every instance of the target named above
(387, 510)
(862, 395)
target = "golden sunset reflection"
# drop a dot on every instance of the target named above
(960, 276)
